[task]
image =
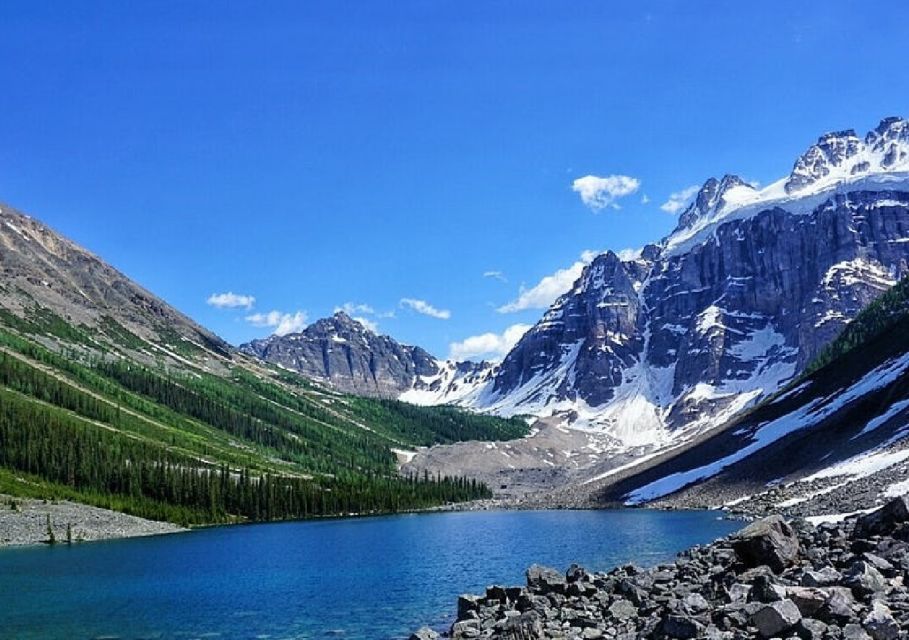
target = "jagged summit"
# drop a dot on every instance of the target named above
(342, 352)
(842, 154)
(714, 196)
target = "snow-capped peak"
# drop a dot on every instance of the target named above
(715, 196)
(838, 161)
(842, 155)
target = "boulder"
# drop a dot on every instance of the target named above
(854, 631)
(465, 629)
(810, 629)
(466, 604)
(545, 579)
(623, 609)
(695, 603)
(772, 619)
(864, 579)
(879, 623)
(884, 520)
(770, 541)
(682, 627)
(823, 578)
(424, 633)
(838, 607)
(808, 599)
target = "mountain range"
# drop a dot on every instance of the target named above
(650, 351)
(681, 367)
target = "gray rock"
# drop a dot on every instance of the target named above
(623, 609)
(770, 541)
(809, 600)
(810, 629)
(695, 603)
(864, 579)
(880, 624)
(854, 631)
(424, 633)
(681, 626)
(884, 520)
(545, 579)
(772, 619)
(825, 577)
(467, 603)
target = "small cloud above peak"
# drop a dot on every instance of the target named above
(230, 300)
(545, 292)
(424, 308)
(282, 323)
(599, 192)
(351, 309)
(679, 199)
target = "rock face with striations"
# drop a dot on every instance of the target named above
(344, 353)
(745, 292)
(40, 269)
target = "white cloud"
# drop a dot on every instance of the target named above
(282, 323)
(498, 275)
(372, 325)
(489, 346)
(680, 199)
(547, 290)
(351, 308)
(629, 254)
(421, 306)
(231, 300)
(600, 192)
(645, 199)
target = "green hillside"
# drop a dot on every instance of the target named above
(873, 320)
(185, 433)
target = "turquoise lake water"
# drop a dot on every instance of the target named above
(370, 578)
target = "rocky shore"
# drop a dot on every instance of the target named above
(25, 521)
(772, 579)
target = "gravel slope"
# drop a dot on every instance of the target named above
(24, 521)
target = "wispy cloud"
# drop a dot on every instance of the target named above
(372, 325)
(679, 200)
(421, 306)
(497, 275)
(548, 289)
(629, 254)
(600, 192)
(488, 346)
(231, 300)
(352, 308)
(282, 323)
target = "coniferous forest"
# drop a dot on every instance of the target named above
(190, 447)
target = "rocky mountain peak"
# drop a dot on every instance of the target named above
(842, 154)
(342, 352)
(339, 324)
(713, 196)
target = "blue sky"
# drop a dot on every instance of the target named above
(389, 154)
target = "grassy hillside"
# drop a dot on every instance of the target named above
(873, 320)
(180, 432)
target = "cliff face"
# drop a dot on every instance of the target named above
(42, 270)
(739, 298)
(341, 351)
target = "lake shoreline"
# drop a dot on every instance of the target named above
(24, 522)
(771, 579)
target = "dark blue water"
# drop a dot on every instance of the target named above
(372, 578)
